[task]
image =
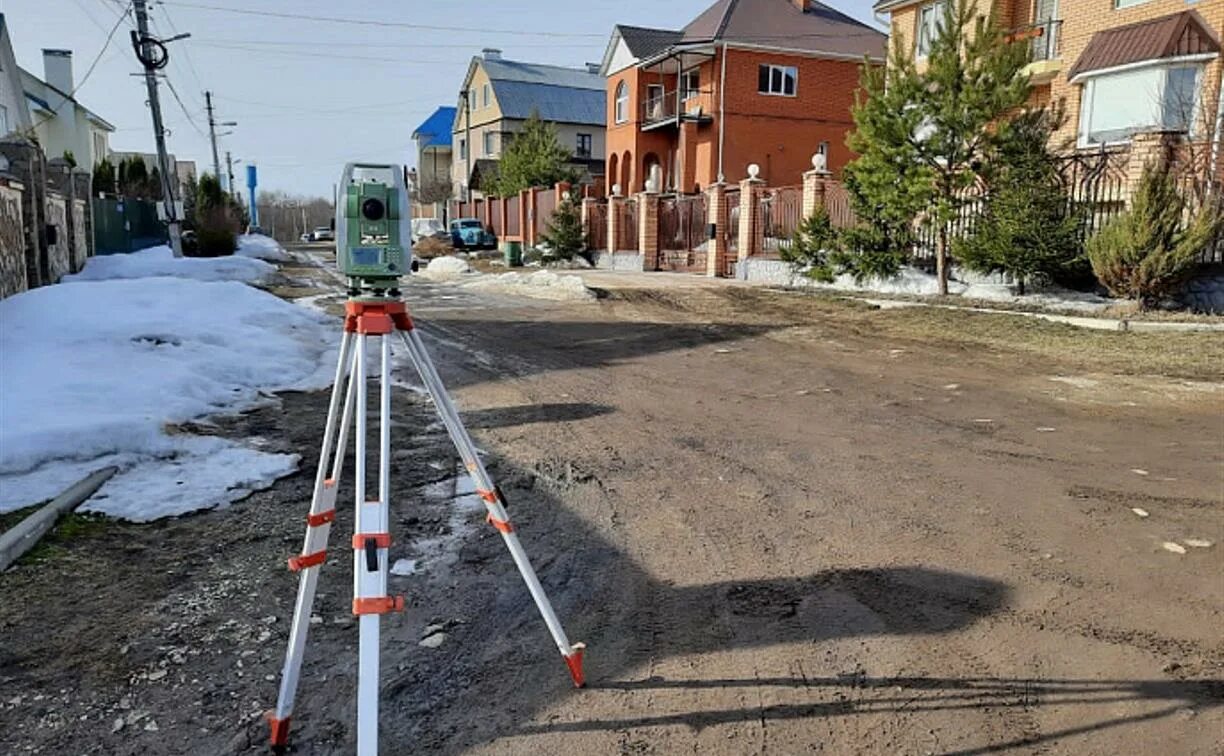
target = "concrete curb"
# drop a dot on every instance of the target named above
(21, 538)
(1096, 324)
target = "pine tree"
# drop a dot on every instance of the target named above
(535, 158)
(1148, 251)
(216, 225)
(104, 178)
(1028, 228)
(924, 137)
(565, 235)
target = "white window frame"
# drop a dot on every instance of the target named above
(1121, 4)
(487, 143)
(486, 96)
(4, 124)
(621, 110)
(463, 149)
(936, 11)
(689, 89)
(793, 71)
(1089, 80)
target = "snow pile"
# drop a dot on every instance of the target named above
(261, 247)
(543, 284)
(907, 281)
(94, 372)
(1052, 297)
(444, 268)
(160, 261)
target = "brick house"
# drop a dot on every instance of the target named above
(768, 82)
(1122, 68)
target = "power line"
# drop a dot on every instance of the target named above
(383, 23)
(195, 76)
(179, 100)
(318, 56)
(316, 44)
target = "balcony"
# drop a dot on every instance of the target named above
(661, 110)
(1045, 43)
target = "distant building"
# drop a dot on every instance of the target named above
(184, 170)
(500, 95)
(14, 112)
(61, 123)
(432, 186)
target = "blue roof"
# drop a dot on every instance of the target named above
(559, 104)
(436, 130)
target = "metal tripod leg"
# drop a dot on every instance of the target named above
(494, 502)
(314, 550)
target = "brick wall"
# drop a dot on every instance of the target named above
(12, 240)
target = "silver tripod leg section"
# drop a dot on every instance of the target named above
(493, 499)
(322, 513)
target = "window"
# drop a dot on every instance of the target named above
(777, 80)
(463, 149)
(1128, 3)
(690, 83)
(584, 146)
(930, 25)
(489, 142)
(471, 100)
(487, 96)
(1115, 106)
(622, 102)
(4, 127)
(99, 146)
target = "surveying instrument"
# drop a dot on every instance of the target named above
(373, 239)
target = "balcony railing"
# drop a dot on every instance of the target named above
(1044, 38)
(661, 108)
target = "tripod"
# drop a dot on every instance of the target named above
(380, 317)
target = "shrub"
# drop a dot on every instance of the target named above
(565, 235)
(812, 244)
(216, 223)
(1148, 251)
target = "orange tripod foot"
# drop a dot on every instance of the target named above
(574, 662)
(280, 731)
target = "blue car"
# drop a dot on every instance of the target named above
(470, 233)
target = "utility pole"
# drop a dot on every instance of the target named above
(229, 171)
(145, 53)
(212, 134)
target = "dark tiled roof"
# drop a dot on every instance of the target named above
(1183, 33)
(643, 42)
(780, 24)
(536, 73)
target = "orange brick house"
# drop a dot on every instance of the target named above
(768, 82)
(1122, 68)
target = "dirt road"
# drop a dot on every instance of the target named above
(782, 525)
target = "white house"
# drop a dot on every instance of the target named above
(61, 123)
(14, 113)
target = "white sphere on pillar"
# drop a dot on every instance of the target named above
(820, 162)
(754, 170)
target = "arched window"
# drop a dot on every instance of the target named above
(622, 102)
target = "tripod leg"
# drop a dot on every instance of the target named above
(494, 502)
(314, 550)
(370, 545)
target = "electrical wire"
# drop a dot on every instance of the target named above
(324, 57)
(383, 24)
(179, 100)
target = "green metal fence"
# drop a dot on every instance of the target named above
(126, 225)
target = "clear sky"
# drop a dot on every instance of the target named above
(309, 95)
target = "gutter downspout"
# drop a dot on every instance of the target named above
(680, 125)
(1219, 125)
(722, 99)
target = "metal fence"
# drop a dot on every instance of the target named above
(126, 225)
(683, 241)
(781, 211)
(627, 220)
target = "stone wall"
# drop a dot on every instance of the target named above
(80, 234)
(620, 261)
(59, 254)
(26, 164)
(12, 240)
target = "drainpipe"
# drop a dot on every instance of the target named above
(679, 125)
(1216, 137)
(722, 88)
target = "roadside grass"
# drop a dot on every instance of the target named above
(70, 527)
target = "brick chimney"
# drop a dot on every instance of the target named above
(57, 69)
(491, 53)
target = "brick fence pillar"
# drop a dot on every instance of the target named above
(716, 205)
(751, 230)
(586, 216)
(504, 217)
(614, 229)
(648, 229)
(1148, 148)
(815, 182)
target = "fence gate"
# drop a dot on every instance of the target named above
(597, 226)
(780, 211)
(683, 242)
(126, 225)
(731, 233)
(627, 220)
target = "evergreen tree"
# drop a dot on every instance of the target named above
(535, 158)
(565, 235)
(812, 244)
(104, 178)
(1148, 251)
(134, 179)
(923, 138)
(216, 224)
(1028, 227)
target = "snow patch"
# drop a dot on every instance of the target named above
(543, 284)
(160, 261)
(443, 268)
(261, 247)
(94, 372)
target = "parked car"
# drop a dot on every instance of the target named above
(306, 237)
(428, 227)
(323, 233)
(470, 233)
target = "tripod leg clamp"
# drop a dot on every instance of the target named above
(299, 563)
(379, 605)
(322, 518)
(503, 526)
